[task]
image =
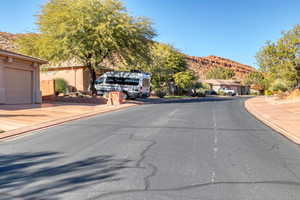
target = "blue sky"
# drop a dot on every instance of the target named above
(233, 29)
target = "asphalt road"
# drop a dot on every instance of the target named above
(209, 149)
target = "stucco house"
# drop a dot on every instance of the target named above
(76, 75)
(72, 71)
(217, 84)
(19, 78)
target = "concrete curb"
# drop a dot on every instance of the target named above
(24, 130)
(269, 123)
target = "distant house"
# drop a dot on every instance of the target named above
(217, 84)
(19, 78)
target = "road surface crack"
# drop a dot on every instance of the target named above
(143, 157)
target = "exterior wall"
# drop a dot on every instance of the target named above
(2, 86)
(216, 87)
(86, 78)
(12, 75)
(74, 77)
(77, 77)
(36, 85)
(47, 87)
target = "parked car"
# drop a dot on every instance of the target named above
(133, 84)
(227, 91)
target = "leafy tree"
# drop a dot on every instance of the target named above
(280, 60)
(256, 79)
(220, 73)
(164, 63)
(37, 45)
(90, 31)
(184, 80)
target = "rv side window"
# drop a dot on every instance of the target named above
(122, 81)
(100, 80)
(131, 81)
(146, 83)
(110, 80)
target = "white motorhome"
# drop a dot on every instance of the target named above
(133, 84)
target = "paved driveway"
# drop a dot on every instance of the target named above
(189, 149)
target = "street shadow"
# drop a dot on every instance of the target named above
(190, 100)
(46, 175)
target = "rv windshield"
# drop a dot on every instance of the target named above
(122, 81)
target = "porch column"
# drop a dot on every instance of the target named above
(36, 87)
(2, 86)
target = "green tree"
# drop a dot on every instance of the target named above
(256, 79)
(164, 63)
(184, 80)
(90, 31)
(220, 73)
(280, 60)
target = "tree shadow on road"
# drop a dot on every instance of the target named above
(46, 175)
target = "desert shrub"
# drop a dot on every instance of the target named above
(206, 86)
(222, 93)
(60, 85)
(282, 95)
(268, 93)
(254, 93)
(161, 93)
(278, 85)
(201, 92)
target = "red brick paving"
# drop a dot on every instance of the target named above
(19, 119)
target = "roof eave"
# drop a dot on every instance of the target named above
(20, 56)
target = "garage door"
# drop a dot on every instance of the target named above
(18, 86)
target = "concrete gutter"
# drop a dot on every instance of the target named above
(270, 115)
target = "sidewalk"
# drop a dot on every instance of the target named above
(284, 117)
(18, 119)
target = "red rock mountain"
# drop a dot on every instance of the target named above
(6, 41)
(200, 65)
